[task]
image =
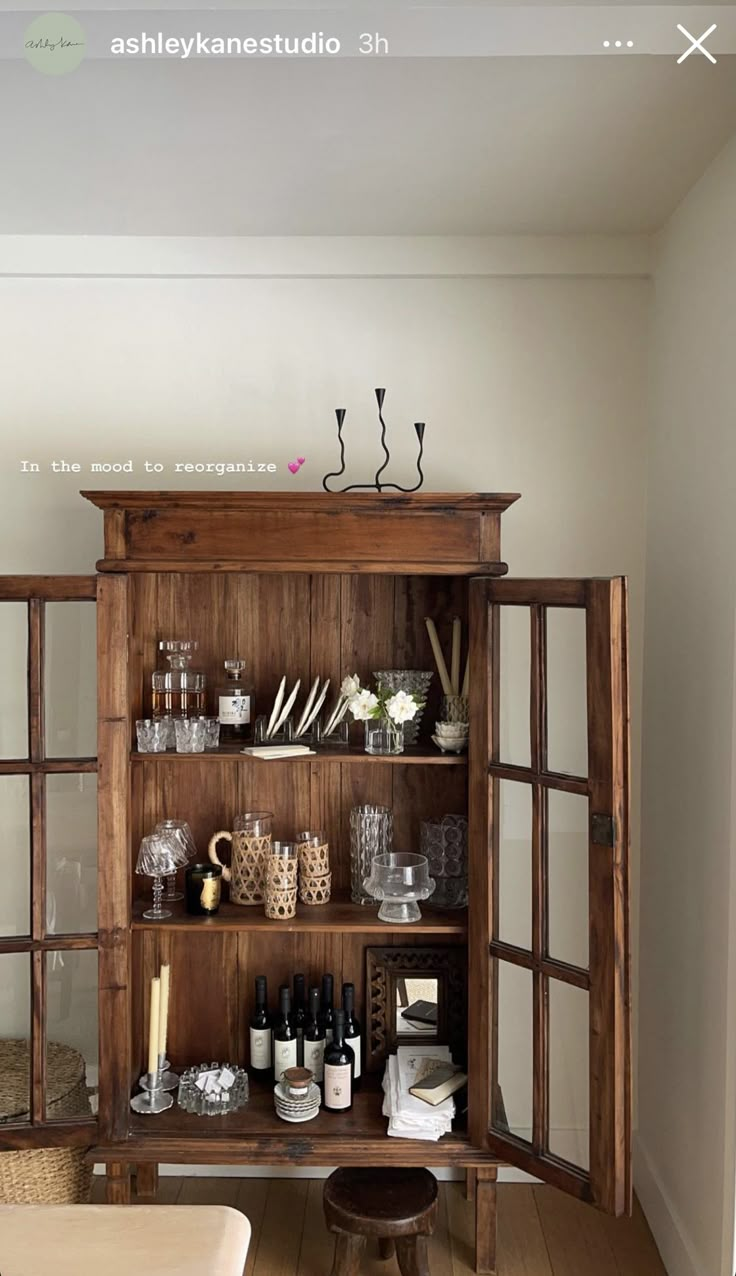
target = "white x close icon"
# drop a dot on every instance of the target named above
(697, 43)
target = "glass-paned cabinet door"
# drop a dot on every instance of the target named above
(48, 826)
(550, 1072)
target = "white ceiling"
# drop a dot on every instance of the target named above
(347, 147)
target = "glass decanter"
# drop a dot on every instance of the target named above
(178, 691)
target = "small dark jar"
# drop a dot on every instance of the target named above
(203, 887)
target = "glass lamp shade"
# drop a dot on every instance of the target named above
(160, 855)
(180, 830)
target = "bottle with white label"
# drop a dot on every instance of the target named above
(314, 1039)
(339, 1067)
(352, 1030)
(235, 702)
(261, 1060)
(284, 1036)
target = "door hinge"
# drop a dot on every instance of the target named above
(602, 830)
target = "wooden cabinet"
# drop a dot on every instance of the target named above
(325, 585)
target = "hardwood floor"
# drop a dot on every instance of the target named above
(540, 1231)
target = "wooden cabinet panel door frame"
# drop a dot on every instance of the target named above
(36, 592)
(606, 1182)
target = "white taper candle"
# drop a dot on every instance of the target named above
(455, 659)
(438, 657)
(163, 1014)
(153, 1025)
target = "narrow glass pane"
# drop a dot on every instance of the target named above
(71, 1034)
(515, 642)
(15, 833)
(70, 680)
(567, 877)
(569, 1101)
(514, 923)
(14, 680)
(567, 711)
(15, 1037)
(513, 1097)
(71, 854)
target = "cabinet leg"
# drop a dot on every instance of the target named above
(470, 1185)
(386, 1247)
(485, 1221)
(117, 1183)
(146, 1181)
(348, 1251)
(411, 1252)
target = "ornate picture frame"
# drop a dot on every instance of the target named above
(384, 968)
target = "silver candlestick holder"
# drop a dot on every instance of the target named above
(153, 1097)
(169, 1079)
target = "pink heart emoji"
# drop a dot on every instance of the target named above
(294, 467)
(300, 460)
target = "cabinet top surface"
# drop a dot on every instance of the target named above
(305, 501)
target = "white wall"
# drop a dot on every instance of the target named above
(526, 358)
(685, 1170)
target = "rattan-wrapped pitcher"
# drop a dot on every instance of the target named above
(251, 845)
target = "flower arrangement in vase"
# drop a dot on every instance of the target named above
(384, 713)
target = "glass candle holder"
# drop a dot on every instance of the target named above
(371, 834)
(180, 831)
(203, 889)
(191, 734)
(445, 844)
(153, 735)
(159, 856)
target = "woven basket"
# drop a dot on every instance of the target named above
(43, 1176)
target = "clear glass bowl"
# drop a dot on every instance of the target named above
(399, 879)
(192, 1099)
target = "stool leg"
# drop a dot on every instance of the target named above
(386, 1247)
(485, 1221)
(146, 1181)
(411, 1252)
(470, 1180)
(348, 1251)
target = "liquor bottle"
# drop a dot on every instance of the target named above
(299, 1017)
(261, 1053)
(314, 1039)
(235, 703)
(284, 1036)
(326, 1014)
(352, 1031)
(339, 1068)
(178, 690)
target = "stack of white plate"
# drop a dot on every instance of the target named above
(292, 1109)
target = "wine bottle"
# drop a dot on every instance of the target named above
(284, 1036)
(352, 1030)
(339, 1067)
(314, 1039)
(299, 1017)
(326, 1013)
(261, 1055)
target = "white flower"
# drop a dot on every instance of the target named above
(350, 686)
(362, 705)
(402, 707)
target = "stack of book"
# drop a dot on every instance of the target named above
(418, 1084)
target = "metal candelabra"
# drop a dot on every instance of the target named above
(376, 485)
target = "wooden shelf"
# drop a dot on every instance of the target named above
(255, 1134)
(233, 753)
(340, 915)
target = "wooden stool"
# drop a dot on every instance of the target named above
(399, 1207)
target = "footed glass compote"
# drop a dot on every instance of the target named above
(399, 879)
